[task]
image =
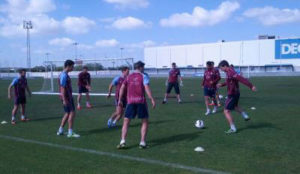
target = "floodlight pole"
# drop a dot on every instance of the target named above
(76, 44)
(27, 25)
(122, 52)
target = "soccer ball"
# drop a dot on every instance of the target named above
(221, 97)
(199, 124)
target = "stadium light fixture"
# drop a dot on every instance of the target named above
(76, 44)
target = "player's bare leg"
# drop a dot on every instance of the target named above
(126, 123)
(206, 98)
(78, 101)
(230, 121)
(71, 118)
(215, 105)
(144, 129)
(62, 124)
(178, 98)
(13, 114)
(243, 113)
(23, 118)
(88, 105)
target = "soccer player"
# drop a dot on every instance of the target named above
(20, 86)
(84, 86)
(65, 88)
(232, 83)
(209, 84)
(136, 84)
(172, 82)
(117, 82)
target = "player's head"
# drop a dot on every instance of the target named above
(22, 72)
(173, 65)
(223, 65)
(209, 64)
(85, 69)
(125, 70)
(139, 66)
(69, 65)
(231, 66)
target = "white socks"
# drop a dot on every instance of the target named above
(142, 143)
(115, 121)
(245, 116)
(122, 141)
(232, 127)
(13, 118)
(70, 131)
(22, 117)
(60, 129)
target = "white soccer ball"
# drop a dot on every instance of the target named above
(199, 124)
(220, 96)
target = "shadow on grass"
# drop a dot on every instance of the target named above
(170, 139)
(46, 118)
(117, 128)
(260, 126)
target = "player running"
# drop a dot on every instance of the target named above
(232, 83)
(172, 82)
(209, 84)
(136, 84)
(65, 88)
(84, 86)
(117, 82)
(20, 86)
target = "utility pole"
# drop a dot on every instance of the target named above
(76, 44)
(27, 25)
(122, 52)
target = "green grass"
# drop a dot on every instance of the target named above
(269, 143)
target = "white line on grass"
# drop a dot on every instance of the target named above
(115, 155)
(74, 93)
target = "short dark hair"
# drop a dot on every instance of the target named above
(69, 63)
(232, 65)
(173, 64)
(223, 63)
(139, 64)
(124, 68)
(209, 63)
(85, 67)
(21, 70)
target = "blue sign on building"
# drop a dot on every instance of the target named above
(287, 49)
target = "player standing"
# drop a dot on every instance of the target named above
(117, 82)
(84, 86)
(65, 88)
(209, 84)
(20, 86)
(232, 83)
(136, 84)
(172, 82)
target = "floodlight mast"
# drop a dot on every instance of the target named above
(27, 25)
(76, 44)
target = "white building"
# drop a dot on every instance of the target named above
(240, 53)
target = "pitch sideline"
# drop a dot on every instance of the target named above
(115, 155)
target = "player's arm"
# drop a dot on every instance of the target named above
(149, 93)
(63, 96)
(218, 77)
(110, 87)
(9, 91)
(219, 85)
(89, 82)
(180, 78)
(121, 94)
(245, 82)
(203, 81)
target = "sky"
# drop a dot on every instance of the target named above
(102, 27)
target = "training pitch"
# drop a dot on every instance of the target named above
(269, 143)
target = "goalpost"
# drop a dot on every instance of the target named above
(98, 68)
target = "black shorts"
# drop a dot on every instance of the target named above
(69, 107)
(137, 109)
(176, 87)
(82, 89)
(210, 92)
(20, 100)
(232, 101)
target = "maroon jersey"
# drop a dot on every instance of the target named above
(65, 82)
(232, 82)
(211, 78)
(135, 84)
(84, 79)
(117, 82)
(173, 75)
(20, 85)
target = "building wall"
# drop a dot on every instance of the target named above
(242, 53)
